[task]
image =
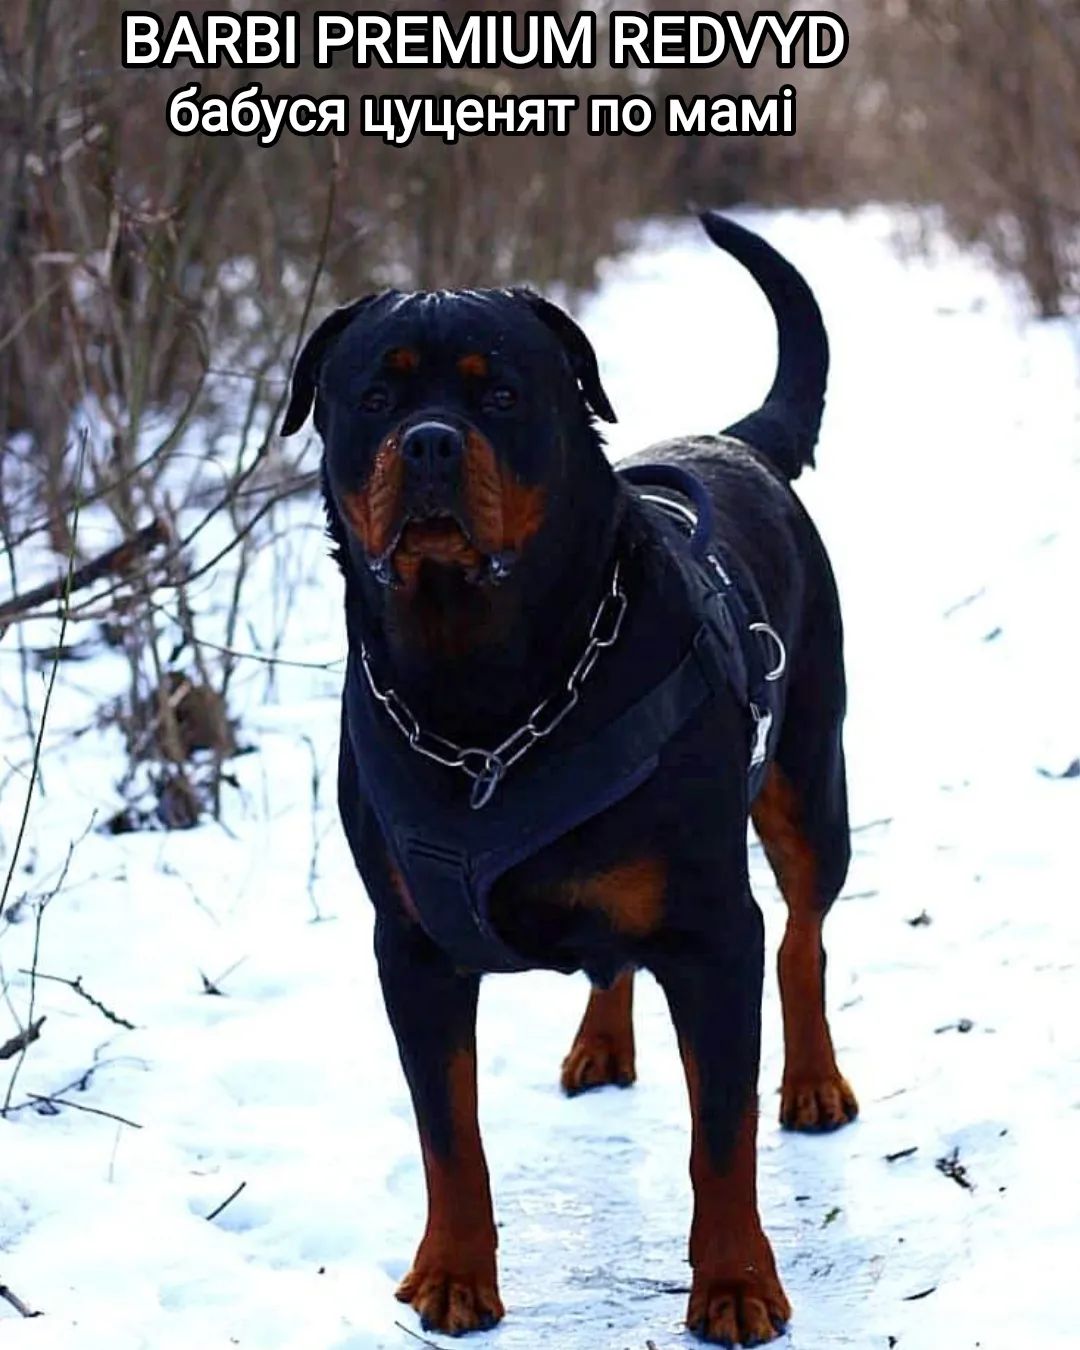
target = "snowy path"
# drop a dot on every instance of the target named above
(950, 473)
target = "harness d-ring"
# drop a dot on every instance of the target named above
(781, 650)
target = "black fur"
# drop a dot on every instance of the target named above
(524, 635)
(306, 371)
(786, 425)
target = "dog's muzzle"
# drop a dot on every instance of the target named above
(433, 456)
(433, 523)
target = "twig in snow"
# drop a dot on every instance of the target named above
(168, 870)
(227, 1201)
(80, 1084)
(422, 1339)
(35, 763)
(313, 863)
(22, 1039)
(214, 986)
(78, 1106)
(111, 1174)
(899, 1092)
(872, 824)
(950, 1166)
(963, 604)
(38, 915)
(901, 1153)
(923, 1293)
(43, 904)
(77, 986)
(10, 1296)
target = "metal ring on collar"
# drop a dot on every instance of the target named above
(781, 650)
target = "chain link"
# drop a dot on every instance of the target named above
(487, 768)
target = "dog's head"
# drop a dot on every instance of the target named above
(450, 420)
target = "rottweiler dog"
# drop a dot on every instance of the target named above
(553, 735)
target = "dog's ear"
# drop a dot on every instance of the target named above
(577, 347)
(306, 371)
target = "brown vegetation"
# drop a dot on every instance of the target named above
(974, 105)
(151, 283)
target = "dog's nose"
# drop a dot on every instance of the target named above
(433, 452)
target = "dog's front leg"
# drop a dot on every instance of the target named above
(713, 990)
(432, 1008)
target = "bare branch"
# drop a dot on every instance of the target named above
(9, 1296)
(80, 1106)
(434, 1345)
(111, 562)
(22, 1039)
(28, 798)
(227, 1201)
(76, 985)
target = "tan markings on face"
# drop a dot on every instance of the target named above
(441, 541)
(402, 360)
(503, 512)
(473, 366)
(631, 895)
(374, 511)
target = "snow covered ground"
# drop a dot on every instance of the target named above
(949, 495)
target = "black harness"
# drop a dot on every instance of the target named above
(451, 854)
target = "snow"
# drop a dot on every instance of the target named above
(948, 494)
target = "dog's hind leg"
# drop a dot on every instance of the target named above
(801, 817)
(603, 1049)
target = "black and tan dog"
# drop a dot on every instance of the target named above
(567, 689)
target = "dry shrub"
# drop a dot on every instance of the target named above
(973, 106)
(152, 286)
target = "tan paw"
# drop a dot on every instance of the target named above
(817, 1106)
(595, 1061)
(747, 1311)
(453, 1302)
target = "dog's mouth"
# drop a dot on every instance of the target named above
(443, 540)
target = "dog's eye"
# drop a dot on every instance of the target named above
(376, 399)
(500, 398)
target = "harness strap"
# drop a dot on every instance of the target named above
(726, 595)
(686, 484)
(446, 851)
(603, 770)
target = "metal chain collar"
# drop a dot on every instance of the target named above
(487, 768)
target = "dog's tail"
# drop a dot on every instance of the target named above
(785, 427)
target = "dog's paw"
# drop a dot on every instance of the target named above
(751, 1310)
(817, 1107)
(596, 1061)
(452, 1302)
